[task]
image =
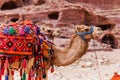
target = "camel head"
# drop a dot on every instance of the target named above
(88, 32)
(51, 32)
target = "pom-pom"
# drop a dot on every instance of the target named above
(11, 31)
(6, 31)
(27, 29)
(22, 31)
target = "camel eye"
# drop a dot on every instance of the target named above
(58, 31)
(43, 28)
(48, 30)
(86, 30)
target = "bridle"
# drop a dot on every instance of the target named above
(82, 34)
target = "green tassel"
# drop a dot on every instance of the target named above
(11, 31)
(24, 76)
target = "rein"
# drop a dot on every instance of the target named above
(97, 63)
(85, 33)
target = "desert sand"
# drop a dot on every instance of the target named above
(86, 68)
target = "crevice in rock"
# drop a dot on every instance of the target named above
(54, 15)
(110, 40)
(9, 5)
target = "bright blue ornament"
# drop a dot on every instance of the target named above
(27, 29)
(6, 31)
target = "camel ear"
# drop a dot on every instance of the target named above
(77, 28)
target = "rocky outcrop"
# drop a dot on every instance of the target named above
(61, 13)
(113, 14)
(103, 4)
(19, 3)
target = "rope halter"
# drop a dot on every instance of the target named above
(82, 34)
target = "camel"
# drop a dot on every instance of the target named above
(50, 32)
(77, 47)
(66, 56)
(75, 50)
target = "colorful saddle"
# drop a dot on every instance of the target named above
(18, 43)
(19, 40)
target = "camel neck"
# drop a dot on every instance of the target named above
(76, 49)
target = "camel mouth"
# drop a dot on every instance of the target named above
(48, 32)
(97, 35)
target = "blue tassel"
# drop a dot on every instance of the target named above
(27, 29)
(41, 40)
(37, 30)
(6, 77)
(6, 31)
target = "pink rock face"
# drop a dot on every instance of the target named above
(104, 4)
(61, 13)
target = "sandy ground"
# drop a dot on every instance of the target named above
(86, 68)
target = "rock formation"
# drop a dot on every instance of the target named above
(103, 4)
(66, 13)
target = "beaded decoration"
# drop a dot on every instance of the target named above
(20, 43)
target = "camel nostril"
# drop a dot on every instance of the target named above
(100, 33)
(99, 29)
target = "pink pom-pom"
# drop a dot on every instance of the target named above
(22, 31)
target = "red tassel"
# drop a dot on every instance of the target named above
(52, 69)
(13, 58)
(36, 78)
(21, 72)
(0, 76)
(40, 78)
(24, 64)
(2, 71)
(12, 72)
(32, 74)
(29, 76)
